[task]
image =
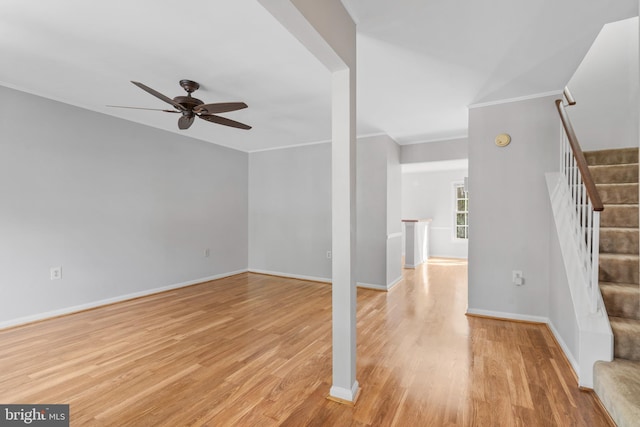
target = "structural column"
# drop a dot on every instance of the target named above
(343, 198)
(328, 32)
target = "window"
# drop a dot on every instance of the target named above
(461, 212)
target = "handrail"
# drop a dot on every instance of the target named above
(581, 162)
(568, 96)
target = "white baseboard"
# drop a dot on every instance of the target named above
(507, 316)
(537, 319)
(120, 298)
(379, 287)
(461, 258)
(394, 283)
(372, 286)
(565, 349)
(289, 275)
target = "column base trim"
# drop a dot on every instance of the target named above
(345, 396)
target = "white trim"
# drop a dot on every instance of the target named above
(565, 349)
(517, 99)
(120, 298)
(538, 319)
(394, 283)
(344, 393)
(324, 141)
(371, 135)
(508, 316)
(462, 258)
(442, 139)
(285, 147)
(394, 235)
(372, 286)
(290, 276)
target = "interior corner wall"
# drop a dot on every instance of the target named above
(430, 194)
(394, 213)
(606, 89)
(123, 208)
(561, 312)
(509, 221)
(451, 149)
(372, 200)
(290, 211)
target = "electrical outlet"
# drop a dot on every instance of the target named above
(328, 254)
(207, 252)
(516, 277)
(55, 273)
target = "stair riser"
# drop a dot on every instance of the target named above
(614, 174)
(622, 303)
(612, 157)
(619, 241)
(618, 193)
(619, 271)
(626, 344)
(619, 216)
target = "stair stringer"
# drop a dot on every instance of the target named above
(595, 338)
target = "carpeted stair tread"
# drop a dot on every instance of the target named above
(619, 240)
(612, 174)
(619, 268)
(626, 193)
(619, 216)
(621, 299)
(617, 384)
(625, 343)
(613, 156)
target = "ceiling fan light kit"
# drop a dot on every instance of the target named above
(190, 107)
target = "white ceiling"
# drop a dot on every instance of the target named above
(420, 63)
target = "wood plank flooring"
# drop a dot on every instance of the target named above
(254, 350)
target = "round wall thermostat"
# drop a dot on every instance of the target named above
(503, 140)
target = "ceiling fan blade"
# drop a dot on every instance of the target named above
(224, 121)
(142, 108)
(159, 95)
(185, 122)
(219, 107)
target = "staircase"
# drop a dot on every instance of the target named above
(617, 383)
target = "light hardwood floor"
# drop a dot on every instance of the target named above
(254, 350)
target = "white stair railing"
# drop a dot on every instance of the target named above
(585, 207)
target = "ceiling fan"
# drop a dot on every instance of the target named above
(191, 107)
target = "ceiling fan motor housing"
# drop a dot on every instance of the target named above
(188, 102)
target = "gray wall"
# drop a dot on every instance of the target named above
(379, 199)
(605, 86)
(430, 195)
(371, 197)
(123, 208)
(394, 213)
(510, 226)
(290, 211)
(452, 149)
(561, 311)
